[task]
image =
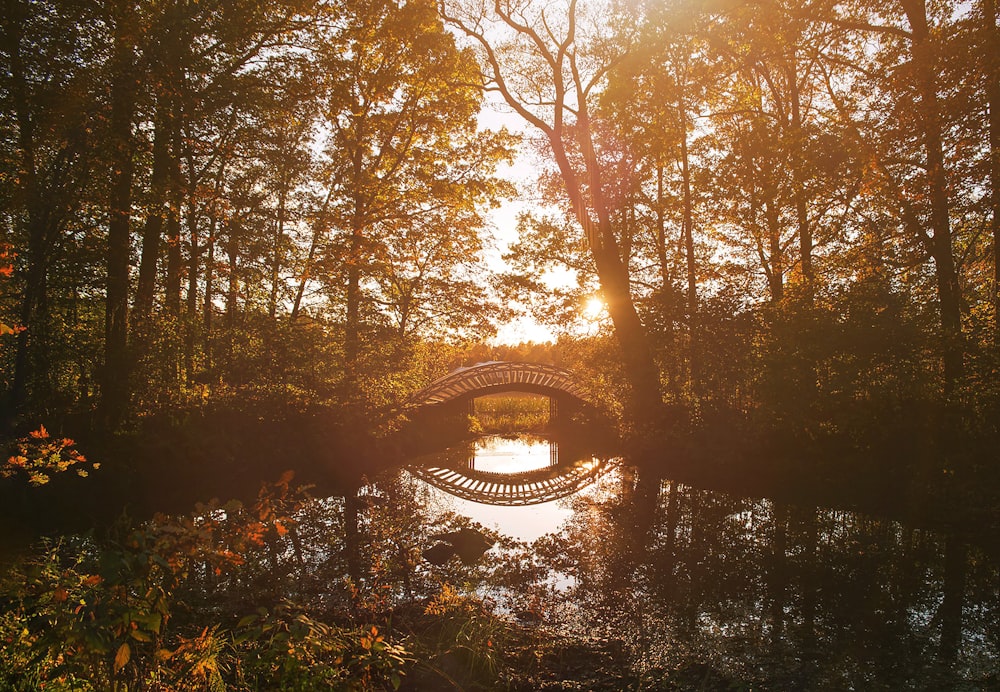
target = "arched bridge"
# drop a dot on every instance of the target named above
(513, 489)
(496, 376)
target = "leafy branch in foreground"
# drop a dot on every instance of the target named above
(39, 456)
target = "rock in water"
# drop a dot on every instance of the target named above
(439, 553)
(469, 544)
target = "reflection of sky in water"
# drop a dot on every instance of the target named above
(520, 523)
(525, 523)
(518, 455)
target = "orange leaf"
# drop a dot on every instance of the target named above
(122, 657)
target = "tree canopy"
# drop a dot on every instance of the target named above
(779, 203)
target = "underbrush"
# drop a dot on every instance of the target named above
(233, 596)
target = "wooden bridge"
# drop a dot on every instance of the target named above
(498, 376)
(513, 489)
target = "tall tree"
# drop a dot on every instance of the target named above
(548, 62)
(48, 88)
(910, 42)
(123, 89)
(410, 168)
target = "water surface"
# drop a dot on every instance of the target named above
(747, 591)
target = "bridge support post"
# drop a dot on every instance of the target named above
(553, 409)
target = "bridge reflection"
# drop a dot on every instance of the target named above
(483, 472)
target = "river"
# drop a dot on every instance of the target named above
(712, 588)
(515, 563)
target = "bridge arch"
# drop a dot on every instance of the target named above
(513, 490)
(497, 376)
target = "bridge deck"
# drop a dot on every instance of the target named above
(498, 375)
(512, 490)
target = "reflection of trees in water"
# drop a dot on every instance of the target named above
(767, 592)
(397, 520)
(690, 582)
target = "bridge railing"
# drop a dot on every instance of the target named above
(496, 375)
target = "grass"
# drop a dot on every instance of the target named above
(510, 413)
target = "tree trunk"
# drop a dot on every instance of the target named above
(668, 337)
(279, 236)
(640, 368)
(692, 275)
(153, 230)
(173, 283)
(233, 292)
(776, 272)
(172, 288)
(993, 104)
(949, 292)
(645, 401)
(207, 307)
(661, 231)
(191, 326)
(798, 178)
(352, 321)
(233, 289)
(114, 392)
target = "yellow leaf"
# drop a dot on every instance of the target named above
(123, 656)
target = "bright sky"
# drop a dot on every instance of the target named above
(503, 220)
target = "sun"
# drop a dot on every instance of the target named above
(593, 308)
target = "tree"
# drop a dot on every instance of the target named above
(123, 88)
(548, 62)
(49, 116)
(914, 174)
(409, 172)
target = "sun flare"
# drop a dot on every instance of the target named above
(593, 308)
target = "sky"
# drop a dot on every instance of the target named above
(502, 222)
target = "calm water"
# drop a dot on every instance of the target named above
(716, 588)
(519, 487)
(707, 590)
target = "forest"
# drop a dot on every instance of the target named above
(788, 210)
(236, 236)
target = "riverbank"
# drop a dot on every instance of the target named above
(172, 460)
